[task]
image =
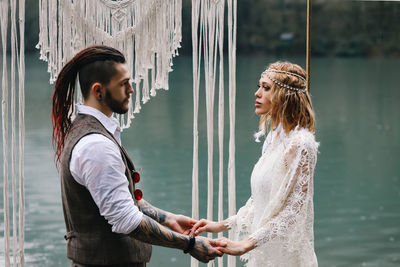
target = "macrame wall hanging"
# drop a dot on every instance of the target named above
(207, 39)
(147, 32)
(13, 154)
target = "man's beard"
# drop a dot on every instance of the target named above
(114, 105)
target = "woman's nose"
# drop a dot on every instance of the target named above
(257, 93)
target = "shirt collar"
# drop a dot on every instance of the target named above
(110, 123)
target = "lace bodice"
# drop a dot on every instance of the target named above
(279, 214)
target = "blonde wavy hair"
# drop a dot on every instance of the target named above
(289, 107)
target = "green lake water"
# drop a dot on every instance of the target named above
(357, 178)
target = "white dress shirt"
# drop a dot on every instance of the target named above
(96, 164)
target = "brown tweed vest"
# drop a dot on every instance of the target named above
(89, 236)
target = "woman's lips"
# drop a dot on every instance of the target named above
(257, 104)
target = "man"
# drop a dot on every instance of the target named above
(107, 225)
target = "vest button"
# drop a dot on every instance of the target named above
(136, 177)
(138, 194)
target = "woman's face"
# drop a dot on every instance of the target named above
(263, 96)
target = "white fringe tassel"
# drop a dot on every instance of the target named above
(208, 33)
(147, 32)
(17, 147)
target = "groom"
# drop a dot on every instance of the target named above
(107, 221)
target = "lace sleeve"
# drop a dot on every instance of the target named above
(241, 222)
(291, 217)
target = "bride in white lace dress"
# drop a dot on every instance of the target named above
(275, 227)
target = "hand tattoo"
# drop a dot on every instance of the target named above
(206, 249)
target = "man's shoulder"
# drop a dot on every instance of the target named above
(95, 141)
(84, 125)
(86, 122)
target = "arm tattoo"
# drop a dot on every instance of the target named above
(151, 232)
(156, 214)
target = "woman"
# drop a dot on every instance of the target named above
(275, 227)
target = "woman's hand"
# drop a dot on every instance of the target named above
(208, 226)
(237, 248)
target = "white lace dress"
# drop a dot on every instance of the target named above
(279, 215)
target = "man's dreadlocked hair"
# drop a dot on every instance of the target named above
(94, 64)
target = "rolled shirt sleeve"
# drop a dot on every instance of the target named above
(96, 163)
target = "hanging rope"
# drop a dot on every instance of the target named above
(221, 105)
(4, 108)
(308, 52)
(148, 32)
(232, 26)
(17, 66)
(21, 126)
(208, 29)
(13, 130)
(196, 44)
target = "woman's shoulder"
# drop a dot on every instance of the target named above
(303, 138)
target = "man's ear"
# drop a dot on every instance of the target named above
(97, 91)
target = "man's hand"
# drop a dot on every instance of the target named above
(180, 223)
(206, 249)
(208, 226)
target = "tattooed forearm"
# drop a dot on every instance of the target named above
(156, 214)
(151, 232)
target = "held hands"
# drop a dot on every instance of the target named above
(237, 248)
(180, 223)
(206, 249)
(234, 248)
(208, 226)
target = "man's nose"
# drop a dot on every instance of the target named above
(130, 89)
